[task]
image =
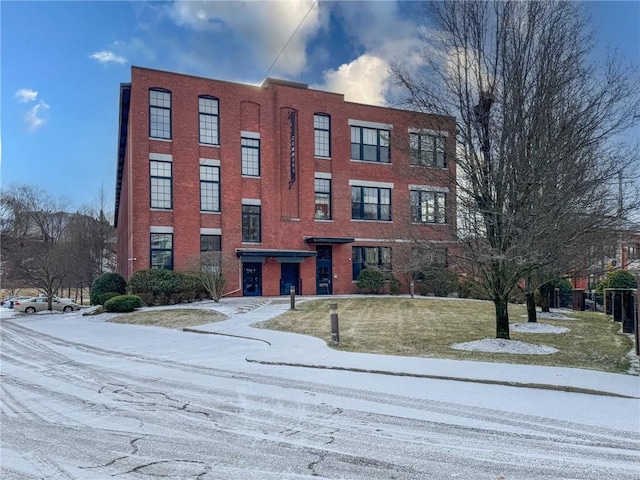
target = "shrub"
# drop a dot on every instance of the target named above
(617, 279)
(164, 287)
(103, 297)
(107, 283)
(123, 303)
(371, 279)
(395, 285)
(439, 281)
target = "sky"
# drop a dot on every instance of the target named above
(62, 64)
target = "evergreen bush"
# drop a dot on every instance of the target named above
(107, 283)
(123, 303)
(371, 279)
(164, 287)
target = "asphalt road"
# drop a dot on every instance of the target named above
(80, 410)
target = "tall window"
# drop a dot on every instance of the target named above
(210, 253)
(323, 199)
(428, 207)
(634, 253)
(160, 114)
(208, 110)
(377, 257)
(160, 184)
(370, 203)
(322, 130)
(162, 250)
(427, 150)
(370, 144)
(251, 157)
(209, 188)
(251, 229)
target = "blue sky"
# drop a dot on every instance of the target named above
(63, 62)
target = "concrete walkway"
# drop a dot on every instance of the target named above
(304, 351)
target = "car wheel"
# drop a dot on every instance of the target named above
(68, 308)
(30, 310)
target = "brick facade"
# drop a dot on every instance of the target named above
(291, 236)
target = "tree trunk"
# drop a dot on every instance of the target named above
(531, 307)
(545, 300)
(502, 318)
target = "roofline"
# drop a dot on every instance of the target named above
(123, 128)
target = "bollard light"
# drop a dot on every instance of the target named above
(335, 331)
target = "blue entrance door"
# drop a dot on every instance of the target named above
(252, 279)
(289, 275)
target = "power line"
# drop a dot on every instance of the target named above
(291, 37)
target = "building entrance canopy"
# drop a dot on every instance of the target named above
(282, 256)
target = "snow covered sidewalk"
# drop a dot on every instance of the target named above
(304, 351)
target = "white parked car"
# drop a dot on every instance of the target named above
(39, 304)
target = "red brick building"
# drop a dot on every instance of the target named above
(293, 186)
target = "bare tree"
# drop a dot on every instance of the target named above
(213, 269)
(35, 250)
(536, 125)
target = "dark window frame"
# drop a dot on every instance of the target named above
(249, 215)
(210, 182)
(419, 156)
(156, 200)
(420, 200)
(382, 135)
(154, 112)
(247, 160)
(213, 240)
(318, 130)
(157, 250)
(359, 208)
(359, 259)
(324, 194)
(206, 115)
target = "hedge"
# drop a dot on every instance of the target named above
(104, 284)
(123, 303)
(165, 287)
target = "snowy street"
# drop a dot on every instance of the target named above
(86, 399)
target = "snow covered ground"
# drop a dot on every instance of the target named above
(87, 399)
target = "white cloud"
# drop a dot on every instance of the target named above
(26, 95)
(106, 56)
(364, 80)
(264, 26)
(34, 115)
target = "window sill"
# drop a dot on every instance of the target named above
(371, 162)
(212, 145)
(168, 140)
(324, 220)
(428, 166)
(161, 209)
(429, 223)
(251, 243)
(370, 221)
(322, 158)
(257, 177)
(212, 212)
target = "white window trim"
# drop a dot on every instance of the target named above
(158, 229)
(365, 183)
(429, 188)
(161, 157)
(427, 131)
(364, 123)
(210, 231)
(251, 201)
(246, 134)
(324, 175)
(209, 162)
